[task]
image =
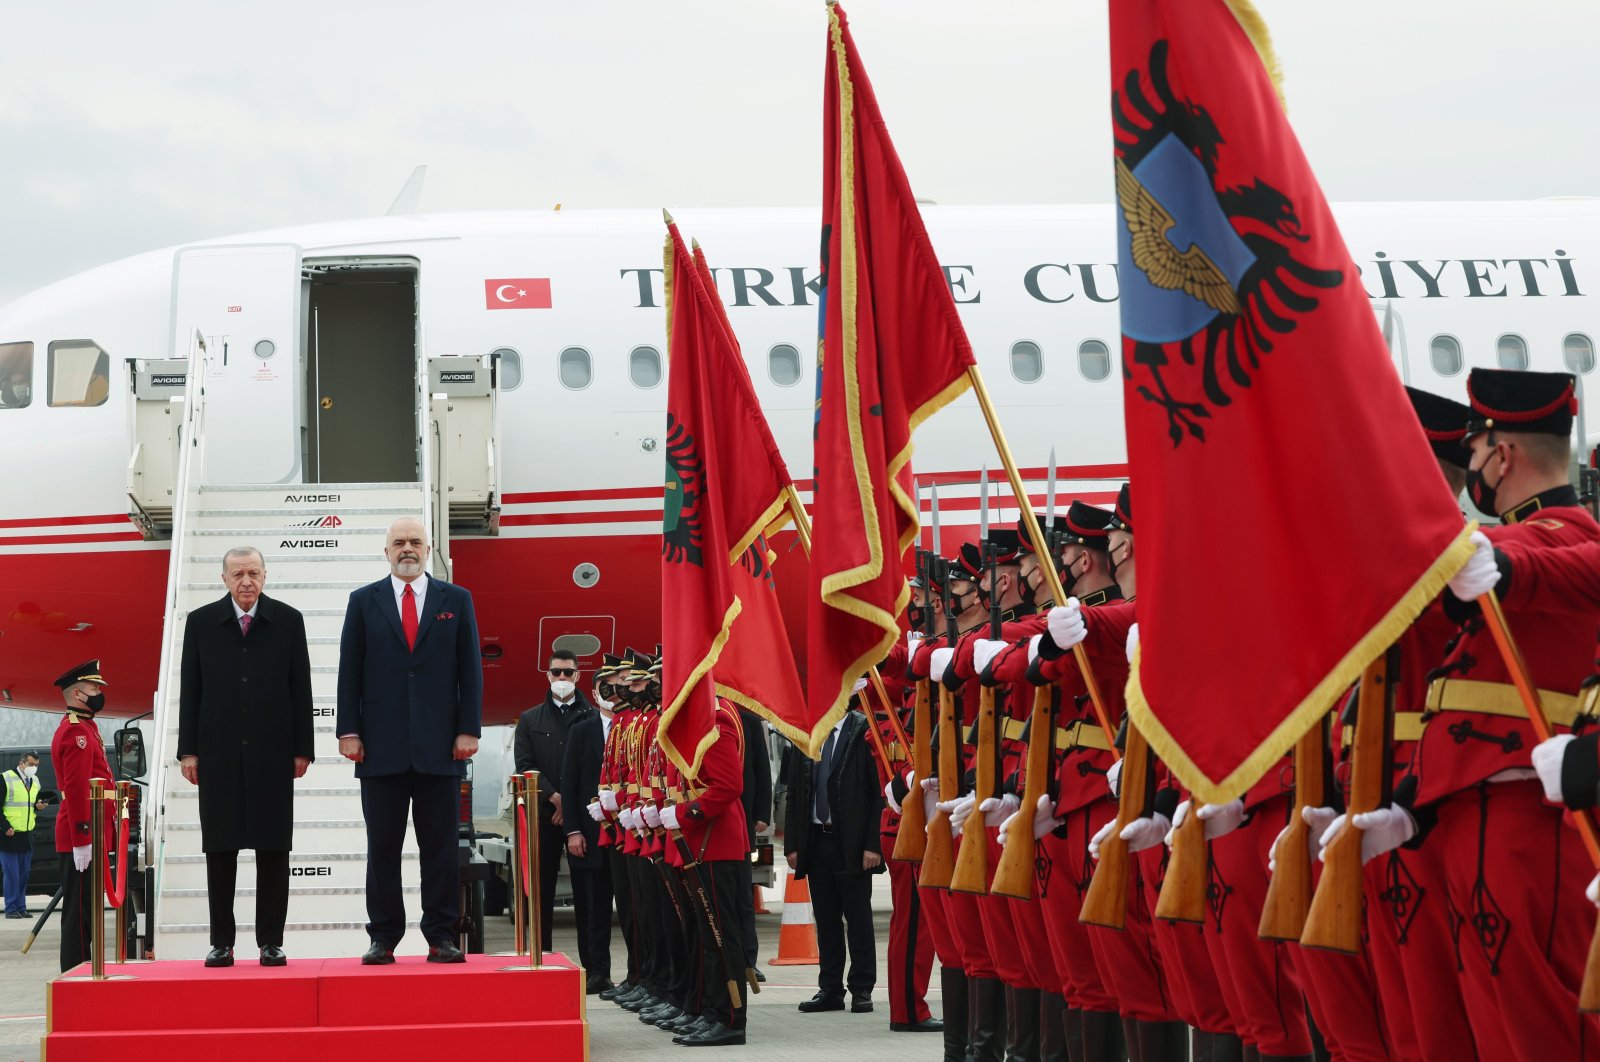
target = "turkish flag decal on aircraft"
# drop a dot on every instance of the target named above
(517, 293)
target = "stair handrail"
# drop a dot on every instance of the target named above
(185, 491)
(436, 528)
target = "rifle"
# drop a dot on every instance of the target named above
(1183, 892)
(938, 857)
(1106, 902)
(734, 965)
(912, 838)
(1283, 916)
(44, 916)
(1013, 874)
(1334, 920)
(972, 864)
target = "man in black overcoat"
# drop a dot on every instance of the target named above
(244, 736)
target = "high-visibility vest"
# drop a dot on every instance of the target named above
(20, 814)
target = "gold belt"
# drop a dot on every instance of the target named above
(1082, 734)
(1408, 726)
(1498, 698)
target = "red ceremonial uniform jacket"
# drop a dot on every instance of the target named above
(611, 758)
(712, 818)
(1017, 700)
(78, 754)
(1461, 748)
(1081, 779)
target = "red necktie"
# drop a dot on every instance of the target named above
(408, 616)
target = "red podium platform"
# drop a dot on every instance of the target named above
(317, 1008)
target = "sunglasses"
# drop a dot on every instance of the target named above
(564, 672)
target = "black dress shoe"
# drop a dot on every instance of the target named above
(272, 955)
(694, 1028)
(638, 1001)
(718, 1035)
(925, 1025)
(861, 1003)
(822, 1001)
(608, 994)
(445, 951)
(656, 1015)
(378, 955)
(682, 1023)
(598, 985)
(219, 957)
(761, 977)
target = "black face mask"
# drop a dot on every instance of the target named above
(1481, 494)
(917, 616)
(95, 702)
(1111, 557)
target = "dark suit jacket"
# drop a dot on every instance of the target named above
(541, 746)
(757, 773)
(244, 708)
(580, 784)
(408, 705)
(854, 797)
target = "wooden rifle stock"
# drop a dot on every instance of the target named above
(938, 857)
(1283, 916)
(972, 864)
(1334, 920)
(1013, 874)
(912, 839)
(1183, 892)
(1106, 902)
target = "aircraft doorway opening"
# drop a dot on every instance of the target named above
(361, 373)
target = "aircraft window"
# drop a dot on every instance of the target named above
(575, 368)
(1577, 349)
(80, 373)
(16, 375)
(1094, 359)
(1446, 354)
(644, 366)
(508, 368)
(1027, 360)
(1512, 352)
(783, 365)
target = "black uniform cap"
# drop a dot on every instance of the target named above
(1122, 515)
(1541, 403)
(968, 564)
(1087, 525)
(1025, 544)
(85, 672)
(1444, 422)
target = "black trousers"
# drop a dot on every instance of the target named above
(647, 900)
(432, 802)
(720, 963)
(552, 843)
(591, 904)
(622, 895)
(677, 938)
(841, 899)
(76, 919)
(272, 896)
(747, 911)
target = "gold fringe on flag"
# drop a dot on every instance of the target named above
(1255, 28)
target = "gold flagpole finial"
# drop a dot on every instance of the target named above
(666, 216)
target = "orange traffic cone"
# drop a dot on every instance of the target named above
(759, 901)
(797, 935)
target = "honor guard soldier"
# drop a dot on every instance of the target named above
(78, 754)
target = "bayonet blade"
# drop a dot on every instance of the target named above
(1050, 494)
(938, 542)
(983, 505)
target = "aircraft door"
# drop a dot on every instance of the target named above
(243, 302)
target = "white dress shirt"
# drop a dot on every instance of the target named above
(420, 583)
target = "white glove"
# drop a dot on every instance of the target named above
(1547, 759)
(1480, 574)
(861, 684)
(997, 811)
(1318, 820)
(1593, 891)
(940, 661)
(1381, 831)
(983, 653)
(1146, 832)
(81, 856)
(1044, 818)
(1099, 838)
(1114, 779)
(1066, 625)
(596, 812)
(1033, 648)
(669, 816)
(913, 639)
(608, 799)
(1133, 641)
(959, 810)
(652, 816)
(888, 796)
(1221, 819)
(629, 819)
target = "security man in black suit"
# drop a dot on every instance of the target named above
(831, 838)
(541, 744)
(244, 736)
(757, 814)
(590, 864)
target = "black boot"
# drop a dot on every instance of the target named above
(986, 1015)
(1130, 1039)
(1217, 1047)
(1052, 1029)
(1072, 1024)
(1102, 1037)
(1163, 1041)
(1022, 1024)
(953, 991)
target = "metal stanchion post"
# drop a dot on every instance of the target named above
(123, 794)
(535, 892)
(97, 881)
(518, 814)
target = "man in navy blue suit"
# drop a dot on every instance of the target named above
(410, 713)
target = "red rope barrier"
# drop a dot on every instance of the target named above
(115, 896)
(522, 831)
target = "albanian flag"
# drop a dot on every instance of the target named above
(724, 489)
(891, 352)
(1266, 424)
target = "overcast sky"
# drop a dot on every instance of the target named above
(125, 127)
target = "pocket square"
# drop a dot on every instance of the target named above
(444, 615)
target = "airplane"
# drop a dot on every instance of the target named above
(532, 344)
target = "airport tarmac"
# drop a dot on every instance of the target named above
(778, 1031)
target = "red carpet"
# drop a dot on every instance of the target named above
(318, 1008)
